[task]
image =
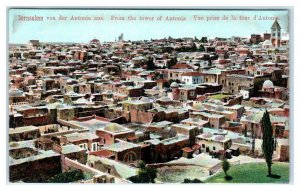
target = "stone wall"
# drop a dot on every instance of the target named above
(35, 171)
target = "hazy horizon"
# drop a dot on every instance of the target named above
(20, 32)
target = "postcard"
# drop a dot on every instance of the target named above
(100, 95)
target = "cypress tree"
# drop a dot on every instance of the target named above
(268, 140)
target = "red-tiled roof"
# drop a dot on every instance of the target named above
(187, 149)
(181, 66)
(196, 146)
(200, 98)
(102, 153)
(131, 138)
(161, 80)
(192, 74)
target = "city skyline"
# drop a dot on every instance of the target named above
(63, 31)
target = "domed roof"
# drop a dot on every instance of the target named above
(196, 119)
(207, 135)
(145, 99)
(107, 92)
(174, 85)
(155, 88)
(82, 101)
(219, 108)
(267, 43)
(165, 98)
(219, 138)
(268, 84)
(198, 106)
(114, 127)
(218, 102)
(15, 93)
(70, 81)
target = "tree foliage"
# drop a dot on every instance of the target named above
(66, 177)
(186, 180)
(171, 62)
(268, 140)
(145, 174)
(225, 166)
(150, 64)
(204, 40)
(201, 48)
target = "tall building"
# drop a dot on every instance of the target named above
(267, 36)
(276, 34)
(121, 38)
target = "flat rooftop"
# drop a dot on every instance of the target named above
(71, 148)
(161, 124)
(80, 136)
(42, 155)
(92, 124)
(209, 115)
(195, 121)
(184, 126)
(120, 146)
(22, 129)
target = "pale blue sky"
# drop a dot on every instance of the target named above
(83, 31)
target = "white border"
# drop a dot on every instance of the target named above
(153, 3)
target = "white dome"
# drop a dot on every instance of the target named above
(207, 135)
(268, 84)
(155, 88)
(165, 98)
(218, 102)
(174, 85)
(219, 137)
(145, 99)
(198, 106)
(219, 108)
(267, 43)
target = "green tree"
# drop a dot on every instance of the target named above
(258, 82)
(268, 140)
(186, 180)
(171, 62)
(66, 177)
(204, 40)
(145, 174)
(225, 167)
(150, 64)
(201, 48)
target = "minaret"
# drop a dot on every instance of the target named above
(275, 34)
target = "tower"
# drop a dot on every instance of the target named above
(275, 34)
(121, 38)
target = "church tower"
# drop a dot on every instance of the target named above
(276, 34)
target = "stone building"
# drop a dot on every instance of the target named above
(213, 143)
(113, 131)
(125, 152)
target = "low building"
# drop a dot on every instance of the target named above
(213, 143)
(192, 78)
(74, 152)
(190, 130)
(24, 133)
(112, 167)
(113, 131)
(215, 120)
(86, 140)
(125, 152)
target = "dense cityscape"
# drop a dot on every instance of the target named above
(172, 110)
